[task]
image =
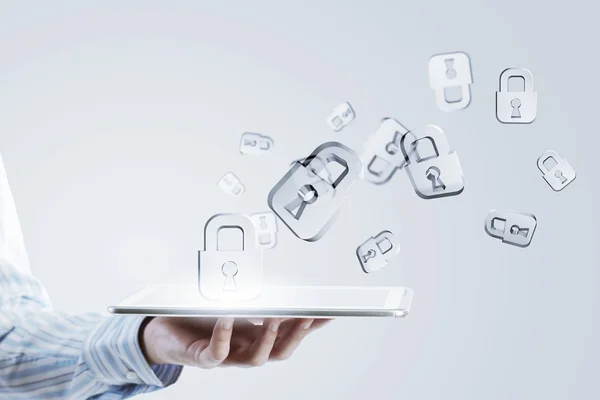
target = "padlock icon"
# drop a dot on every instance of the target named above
(383, 154)
(516, 101)
(450, 77)
(231, 184)
(266, 229)
(342, 116)
(512, 227)
(377, 251)
(557, 171)
(308, 204)
(433, 175)
(225, 274)
(255, 144)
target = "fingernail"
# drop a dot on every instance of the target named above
(307, 325)
(275, 327)
(228, 323)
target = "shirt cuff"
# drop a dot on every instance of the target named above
(112, 352)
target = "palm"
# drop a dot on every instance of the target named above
(204, 341)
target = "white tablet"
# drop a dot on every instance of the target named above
(274, 301)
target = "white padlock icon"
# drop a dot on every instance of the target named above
(450, 77)
(557, 171)
(255, 144)
(230, 274)
(436, 175)
(516, 101)
(266, 229)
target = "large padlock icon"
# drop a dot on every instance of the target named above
(225, 274)
(512, 227)
(557, 171)
(516, 101)
(437, 174)
(308, 203)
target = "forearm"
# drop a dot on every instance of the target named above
(45, 354)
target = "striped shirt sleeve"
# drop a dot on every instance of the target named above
(51, 355)
(45, 354)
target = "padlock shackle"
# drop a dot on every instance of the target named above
(489, 227)
(516, 73)
(220, 221)
(433, 132)
(548, 154)
(324, 155)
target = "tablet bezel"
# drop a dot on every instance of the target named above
(396, 295)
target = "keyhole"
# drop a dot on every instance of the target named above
(230, 270)
(263, 223)
(560, 176)
(450, 71)
(517, 230)
(307, 194)
(515, 104)
(433, 174)
(370, 254)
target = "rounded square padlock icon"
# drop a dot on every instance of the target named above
(512, 227)
(230, 274)
(255, 144)
(450, 77)
(516, 100)
(557, 171)
(383, 155)
(434, 170)
(377, 251)
(307, 202)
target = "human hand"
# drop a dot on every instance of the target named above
(211, 342)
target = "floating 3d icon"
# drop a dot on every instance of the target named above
(266, 229)
(516, 101)
(230, 274)
(231, 184)
(305, 201)
(450, 77)
(342, 115)
(383, 154)
(512, 227)
(434, 170)
(557, 171)
(377, 251)
(256, 144)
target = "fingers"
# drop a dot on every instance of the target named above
(318, 324)
(290, 342)
(261, 349)
(218, 348)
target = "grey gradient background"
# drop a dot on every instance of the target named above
(118, 118)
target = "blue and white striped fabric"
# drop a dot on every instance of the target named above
(45, 354)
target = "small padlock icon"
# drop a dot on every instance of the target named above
(377, 251)
(512, 227)
(516, 102)
(266, 229)
(557, 172)
(434, 175)
(231, 184)
(255, 144)
(225, 274)
(450, 77)
(305, 201)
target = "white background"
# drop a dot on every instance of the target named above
(117, 118)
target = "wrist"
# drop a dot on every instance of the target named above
(145, 342)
